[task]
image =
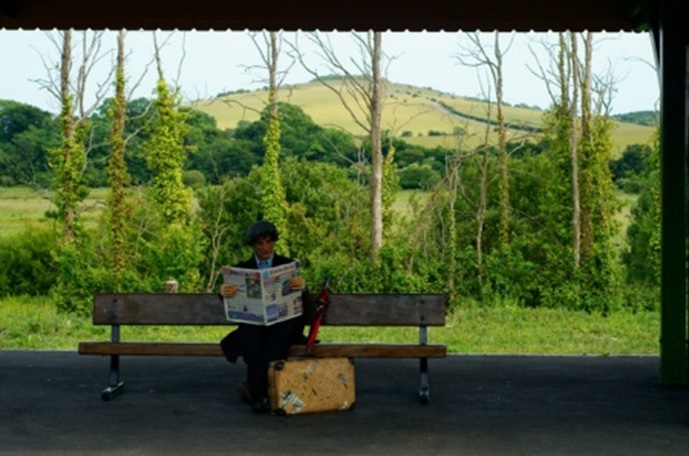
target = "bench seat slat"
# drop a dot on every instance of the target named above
(150, 348)
(213, 349)
(371, 351)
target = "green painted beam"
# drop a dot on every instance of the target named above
(674, 358)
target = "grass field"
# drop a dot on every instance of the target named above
(23, 207)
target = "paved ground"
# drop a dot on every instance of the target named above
(480, 405)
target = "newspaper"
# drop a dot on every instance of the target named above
(264, 296)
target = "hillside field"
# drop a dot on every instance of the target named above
(409, 110)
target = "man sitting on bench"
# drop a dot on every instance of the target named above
(259, 345)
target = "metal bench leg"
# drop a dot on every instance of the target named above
(115, 386)
(423, 367)
(424, 389)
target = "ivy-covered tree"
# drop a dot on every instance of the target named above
(174, 247)
(119, 209)
(273, 203)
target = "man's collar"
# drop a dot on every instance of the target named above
(263, 264)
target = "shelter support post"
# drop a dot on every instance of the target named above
(674, 356)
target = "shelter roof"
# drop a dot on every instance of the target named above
(431, 15)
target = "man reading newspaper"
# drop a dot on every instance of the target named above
(259, 344)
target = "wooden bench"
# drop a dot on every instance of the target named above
(205, 309)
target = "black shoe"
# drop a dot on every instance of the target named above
(245, 393)
(261, 406)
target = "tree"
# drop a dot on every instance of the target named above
(272, 191)
(26, 134)
(479, 57)
(578, 135)
(174, 252)
(573, 64)
(119, 209)
(69, 162)
(361, 92)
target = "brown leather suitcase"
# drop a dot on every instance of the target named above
(308, 385)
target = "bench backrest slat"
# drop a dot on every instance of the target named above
(207, 309)
(384, 310)
(159, 309)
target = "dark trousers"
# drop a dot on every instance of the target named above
(263, 344)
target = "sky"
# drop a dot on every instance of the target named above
(206, 63)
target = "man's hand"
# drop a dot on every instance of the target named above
(228, 290)
(298, 283)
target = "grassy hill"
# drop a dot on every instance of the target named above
(411, 112)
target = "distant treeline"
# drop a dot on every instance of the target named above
(28, 133)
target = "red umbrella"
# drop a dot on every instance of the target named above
(321, 304)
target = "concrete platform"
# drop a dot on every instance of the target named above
(50, 404)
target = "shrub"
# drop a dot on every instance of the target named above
(26, 262)
(193, 178)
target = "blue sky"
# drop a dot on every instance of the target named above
(207, 63)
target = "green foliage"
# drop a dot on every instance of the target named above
(25, 134)
(642, 257)
(418, 176)
(193, 179)
(273, 203)
(648, 118)
(119, 208)
(627, 170)
(218, 155)
(173, 248)
(26, 262)
(173, 253)
(165, 156)
(76, 279)
(326, 215)
(68, 163)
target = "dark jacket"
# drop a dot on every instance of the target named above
(230, 344)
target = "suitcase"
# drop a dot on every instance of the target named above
(308, 385)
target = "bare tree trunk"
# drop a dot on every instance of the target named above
(482, 206)
(587, 183)
(426, 213)
(574, 144)
(272, 74)
(376, 151)
(502, 147)
(478, 56)
(215, 232)
(453, 179)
